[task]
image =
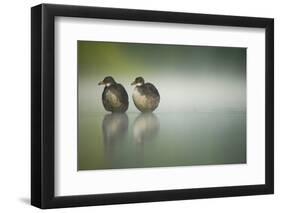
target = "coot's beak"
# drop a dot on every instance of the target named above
(101, 83)
(133, 83)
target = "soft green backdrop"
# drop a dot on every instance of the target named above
(201, 118)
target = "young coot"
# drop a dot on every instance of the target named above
(114, 96)
(145, 96)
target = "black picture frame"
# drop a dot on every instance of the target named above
(43, 102)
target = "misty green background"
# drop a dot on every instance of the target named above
(201, 119)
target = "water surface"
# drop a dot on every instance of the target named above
(140, 140)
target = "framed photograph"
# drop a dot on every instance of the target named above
(138, 106)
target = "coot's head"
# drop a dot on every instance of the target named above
(107, 81)
(138, 81)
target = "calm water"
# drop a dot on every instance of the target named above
(135, 140)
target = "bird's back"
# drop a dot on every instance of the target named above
(146, 97)
(151, 90)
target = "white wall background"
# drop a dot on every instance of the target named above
(15, 106)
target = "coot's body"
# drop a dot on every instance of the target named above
(114, 96)
(145, 96)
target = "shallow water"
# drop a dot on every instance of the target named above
(138, 140)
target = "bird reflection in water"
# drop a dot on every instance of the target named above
(114, 127)
(115, 132)
(146, 128)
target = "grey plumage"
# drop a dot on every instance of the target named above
(149, 89)
(145, 96)
(114, 96)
